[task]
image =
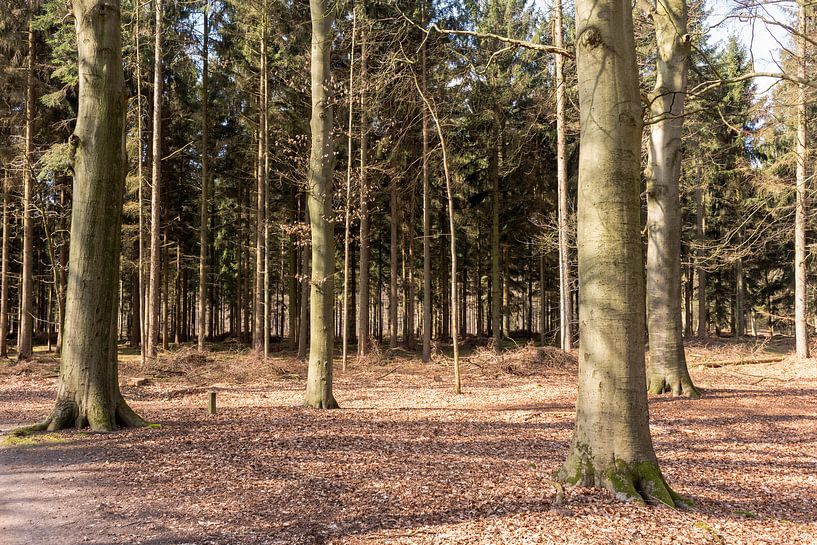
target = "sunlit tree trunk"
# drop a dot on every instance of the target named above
(565, 302)
(321, 159)
(667, 366)
(24, 345)
(700, 271)
(4, 273)
(204, 219)
(88, 391)
(261, 190)
(156, 200)
(427, 302)
(611, 445)
(801, 206)
(363, 308)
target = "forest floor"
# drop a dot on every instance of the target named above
(405, 460)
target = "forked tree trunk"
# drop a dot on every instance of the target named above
(88, 389)
(321, 339)
(156, 196)
(611, 445)
(667, 368)
(800, 273)
(24, 344)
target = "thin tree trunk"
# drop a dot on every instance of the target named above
(667, 370)
(611, 445)
(496, 262)
(4, 272)
(156, 200)
(319, 375)
(700, 236)
(261, 191)
(801, 207)
(345, 317)
(88, 390)
(394, 299)
(24, 343)
(427, 302)
(565, 306)
(204, 236)
(363, 309)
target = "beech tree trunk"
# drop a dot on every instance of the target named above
(24, 342)
(88, 390)
(667, 370)
(156, 196)
(800, 273)
(322, 333)
(611, 445)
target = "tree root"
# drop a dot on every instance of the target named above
(320, 403)
(640, 482)
(66, 415)
(677, 387)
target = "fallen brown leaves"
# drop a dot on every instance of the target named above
(407, 461)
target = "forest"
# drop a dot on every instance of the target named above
(407, 271)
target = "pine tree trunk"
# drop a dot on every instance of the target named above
(156, 196)
(700, 236)
(363, 308)
(394, 298)
(24, 343)
(321, 341)
(611, 445)
(88, 390)
(4, 271)
(261, 194)
(565, 302)
(427, 302)
(496, 262)
(801, 207)
(667, 370)
(204, 235)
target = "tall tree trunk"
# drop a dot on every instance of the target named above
(346, 234)
(801, 207)
(321, 342)
(88, 390)
(303, 328)
(427, 302)
(667, 370)
(261, 191)
(143, 329)
(699, 253)
(4, 271)
(363, 308)
(204, 236)
(394, 298)
(611, 445)
(156, 196)
(565, 302)
(24, 343)
(496, 262)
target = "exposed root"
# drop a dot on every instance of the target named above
(66, 415)
(677, 387)
(641, 482)
(319, 402)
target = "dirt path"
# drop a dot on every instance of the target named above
(406, 461)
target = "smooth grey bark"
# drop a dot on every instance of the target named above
(565, 302)
(24, 342)
(611, 445)
(204, 219)
(321, 340)
(667, 371)
(801, 187)
(88, 391)
(156, 195)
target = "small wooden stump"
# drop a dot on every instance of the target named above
(211, 402)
